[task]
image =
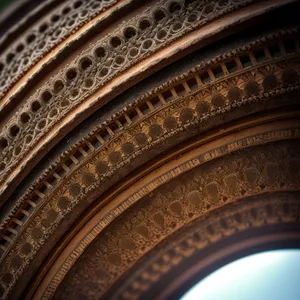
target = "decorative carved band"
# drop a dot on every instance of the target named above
(44, 35)
(258, 170)
(94, 68)
(254, 213)
(211, 89)
(257, 79)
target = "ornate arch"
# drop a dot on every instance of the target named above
(139, 137)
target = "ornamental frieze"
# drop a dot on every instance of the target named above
(259, 170)
(136, 136)
(93, 69)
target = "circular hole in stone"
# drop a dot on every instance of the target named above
(41, 124)
(103, 72)
(16, 262)
(42, 45)
(30, 38)
(26, 248)
(85, 63)
(192, 18)
(88, 82)
(46, 96)
(100, 52)
(161, 34)
(66, 10)
(129, 32)
(120, 60)
(208, 9)
(71, 74)
(147, 44)
(177, 26)
(14, 130)
(133, 52)
(58, 86)
(83, 13)
(75, 189)
(25, 117)
(36, 233)
(43, 27)
(15, 69)
(174, 7)
(28, 139)
(74, 93)
(17, 150)
(64, 103)
(20, 48)
(57, 32)
(54, 18)
(115, 42)
(64, 203)
(9, 57)
(159, 15)
(71, 23)
(144, 24)
(88, 178)
(77, 4)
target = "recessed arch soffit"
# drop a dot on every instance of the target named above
(97, 74)
(240, 81)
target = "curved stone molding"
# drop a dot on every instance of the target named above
(138, 127)
(212, 89)
(44, 35)
(45, 114)
(254, 213)
(184, 101)
(174, 205)
(221, 93)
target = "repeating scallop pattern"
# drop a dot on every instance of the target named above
(182, 112)
(181, 116)
(44, 35)
(96, 66)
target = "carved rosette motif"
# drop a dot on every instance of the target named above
(100, 63)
